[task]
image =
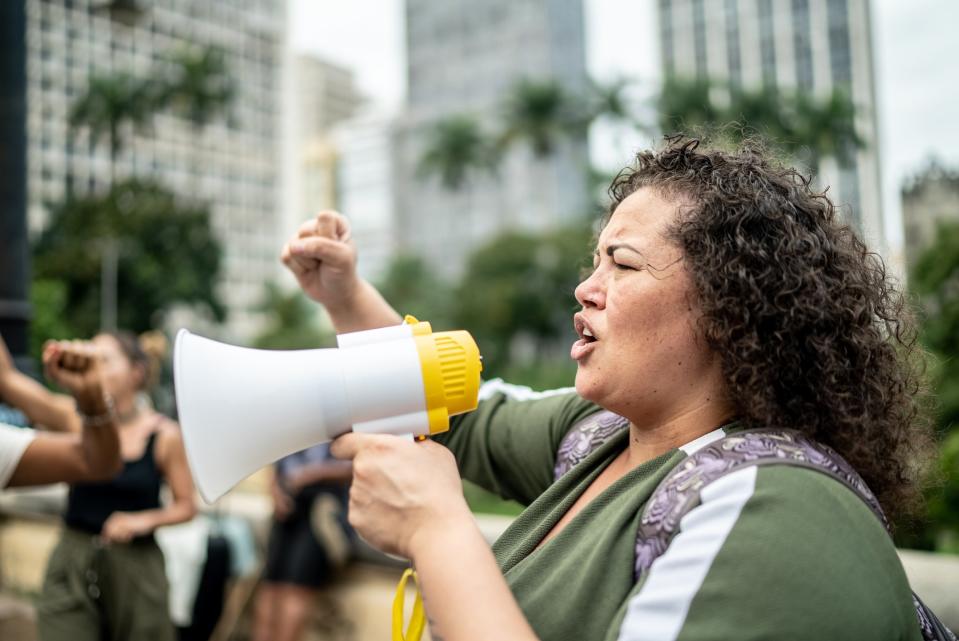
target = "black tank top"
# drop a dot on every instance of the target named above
(134, 489)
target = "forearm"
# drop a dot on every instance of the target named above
(365, 309)
(465, 595)
(43, 407)
(179, 511)
(328, 472)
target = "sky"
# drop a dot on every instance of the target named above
(915, 48)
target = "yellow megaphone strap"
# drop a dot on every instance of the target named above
(417, 619)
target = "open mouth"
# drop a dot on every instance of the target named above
(583, 346)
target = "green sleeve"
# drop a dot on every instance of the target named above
(508, 446)
(805, 559)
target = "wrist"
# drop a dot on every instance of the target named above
(457, 526)
(96, 409)
(346, 303)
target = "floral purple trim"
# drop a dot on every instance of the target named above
(584, 438)
(679, 493)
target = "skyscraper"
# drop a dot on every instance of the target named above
(463, 56)
(232, 163)
(804, 45)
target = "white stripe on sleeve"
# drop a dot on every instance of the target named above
(658, 611)
(517, 392)
(13, 443)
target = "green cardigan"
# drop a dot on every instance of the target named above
(795, 556)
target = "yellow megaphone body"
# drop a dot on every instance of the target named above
(241, 409)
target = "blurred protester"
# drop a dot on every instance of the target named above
(29, 458)
(106, 577)
(309, 541)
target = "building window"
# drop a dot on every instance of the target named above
(849, 192)
(840, 56)
(733, 52)
(699, 38)
(802, 44)
(767, 43)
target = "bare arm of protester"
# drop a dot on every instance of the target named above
(406, 500)
(121, 527)
(322, 256)
(282, 501)
(57, 412)
(322, 472)
(94, 454)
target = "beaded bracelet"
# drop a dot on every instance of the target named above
(106, 418)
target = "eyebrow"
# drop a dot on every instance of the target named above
(610, 249)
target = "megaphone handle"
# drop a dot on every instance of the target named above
(417, 619)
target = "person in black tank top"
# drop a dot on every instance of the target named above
(105, 579)
(135, 489)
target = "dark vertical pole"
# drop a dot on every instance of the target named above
(14, 248)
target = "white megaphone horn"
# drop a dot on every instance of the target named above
(241, 409)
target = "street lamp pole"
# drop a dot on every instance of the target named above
(14, 246)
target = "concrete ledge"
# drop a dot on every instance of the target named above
(935, 578)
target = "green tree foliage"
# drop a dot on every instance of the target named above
(412, 287)
(198, 85)
(51, 318)
(291, 322)
(935, 278)
(168, 254)
(541, 113)
(802, 126)
(517, 294)
(456, 147)
(110, 104)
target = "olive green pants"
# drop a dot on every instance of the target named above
(96, 592)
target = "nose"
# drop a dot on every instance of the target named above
(590, 292)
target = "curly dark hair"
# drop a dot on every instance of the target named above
(811, 331)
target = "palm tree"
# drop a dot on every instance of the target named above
(456, 147)
(805, 128)
(685, 105)
(541, 113)
(110, 103)
(828, 127)
(199, 87)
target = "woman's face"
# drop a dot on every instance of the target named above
(639, 354)
(121, 378)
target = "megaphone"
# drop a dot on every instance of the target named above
(241, 408)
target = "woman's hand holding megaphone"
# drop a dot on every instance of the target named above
(322, 256)
(405, 494)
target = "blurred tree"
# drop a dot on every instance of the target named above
(198, 85)
(291, 322)
(804, 127)
(541, 113)
(685, 105)
(51, 319)
(516, 295)
(110, 104)
(935, 278)
(168, 254)
(456, 146)
(412, 287)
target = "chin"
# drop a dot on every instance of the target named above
(587, 387)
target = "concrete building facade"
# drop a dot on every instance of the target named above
(803, 45)
(463, 57)
(929, 199)
(233, 163)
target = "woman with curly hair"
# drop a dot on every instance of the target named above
(726, 295)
